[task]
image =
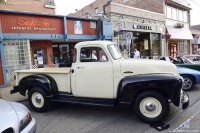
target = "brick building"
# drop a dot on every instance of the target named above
(38, 6)
(149, 21)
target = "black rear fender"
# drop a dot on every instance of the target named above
(168, 84)
(45, 82)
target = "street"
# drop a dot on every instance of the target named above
(70, 118)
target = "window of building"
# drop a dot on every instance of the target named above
(174, 13)
(155, 44)
(50, 3)
(17, 53)
(185, 15)
(180, 15)
(183, 47)
(39, 56)
(169, 12)
(96, 10)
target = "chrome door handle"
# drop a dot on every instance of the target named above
(80, 67)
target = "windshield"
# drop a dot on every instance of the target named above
(187, 61)
(114, 51)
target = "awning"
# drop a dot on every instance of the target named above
(180, 34)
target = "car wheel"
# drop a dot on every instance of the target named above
(188, 83)
(151, 106)
(37, 99)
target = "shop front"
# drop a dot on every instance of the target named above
(136, 28)
(144, 36)
(179, 41)
(30, 41)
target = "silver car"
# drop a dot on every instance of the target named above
(15, 118)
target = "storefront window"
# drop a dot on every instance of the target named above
(155, 44)
(39, 56)
(183, 47)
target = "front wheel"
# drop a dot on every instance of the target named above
(37, 99)
(188, 83)
(151, 106)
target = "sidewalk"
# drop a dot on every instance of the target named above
(14, 97)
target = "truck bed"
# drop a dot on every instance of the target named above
(61, 76)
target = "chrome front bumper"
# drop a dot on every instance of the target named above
(184, 99)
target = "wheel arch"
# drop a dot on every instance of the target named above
(45, 82)
(168, 84)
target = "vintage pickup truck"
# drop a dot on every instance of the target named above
(147, 86)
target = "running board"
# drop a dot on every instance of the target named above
(69, 98)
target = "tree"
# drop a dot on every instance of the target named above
(2, 2)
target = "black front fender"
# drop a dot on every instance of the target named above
(170, 85)
(45, 82)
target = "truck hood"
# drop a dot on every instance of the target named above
(143, 66)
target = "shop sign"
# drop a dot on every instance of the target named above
(141, 27)
(36, 24)
(78, 29)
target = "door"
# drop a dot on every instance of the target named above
(93, 75)
(173, 50)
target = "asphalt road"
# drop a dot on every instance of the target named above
(69, 118)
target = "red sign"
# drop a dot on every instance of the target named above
(31, 24)
(40, 22)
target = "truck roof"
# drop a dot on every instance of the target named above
(103, 43)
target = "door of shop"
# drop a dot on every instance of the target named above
(173, 50)
(1, 73)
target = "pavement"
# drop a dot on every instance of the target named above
(5, 95)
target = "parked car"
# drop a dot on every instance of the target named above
(182, 62)
(15, 118)
(190, 76)
(193, 57)
(189, 70)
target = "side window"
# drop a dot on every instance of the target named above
(92, 54)
(102, 55)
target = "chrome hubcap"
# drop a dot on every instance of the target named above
(187, 83)
(150, 107)
(38, 99)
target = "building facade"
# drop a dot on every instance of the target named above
(31, 40)
(157, 27)
(37, 6)
(179, 38)
(135, 24)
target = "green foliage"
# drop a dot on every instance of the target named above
(2, 2)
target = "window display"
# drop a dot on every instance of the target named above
(40, 56)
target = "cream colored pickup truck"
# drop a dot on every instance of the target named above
(99, 75)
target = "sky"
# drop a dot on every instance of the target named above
(64, 7)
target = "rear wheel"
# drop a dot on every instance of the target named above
(151, 106)
(37, 99)
(188, 83)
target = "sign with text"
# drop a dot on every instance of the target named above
(13, 23)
